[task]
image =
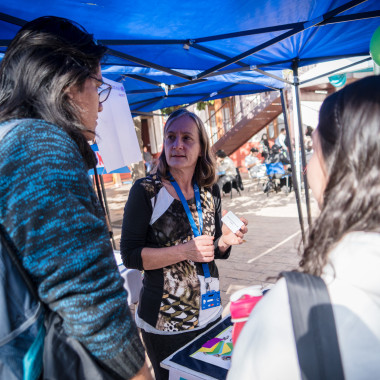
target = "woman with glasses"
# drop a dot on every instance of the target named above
(51, 91)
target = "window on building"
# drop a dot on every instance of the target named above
(280, 123)
(237, 113)
(271, 130)
(226, 118)
(214, 128)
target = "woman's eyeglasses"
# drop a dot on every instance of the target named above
(103, 91)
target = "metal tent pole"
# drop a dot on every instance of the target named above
(294, 174)
(337, 70)
(107, 210)
(303, 155)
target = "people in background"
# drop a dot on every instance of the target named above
(264, 146)
(51, 90)
(342, 247)
(148, 160)
(308, 138)
(277, 155)
(172, 230)
(280, 140)
(308, 142)
(226, 170)
(254, 164)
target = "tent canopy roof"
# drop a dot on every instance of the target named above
(173, 42)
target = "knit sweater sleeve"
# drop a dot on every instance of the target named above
(51, 213)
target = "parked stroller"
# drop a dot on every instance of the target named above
(279, 177)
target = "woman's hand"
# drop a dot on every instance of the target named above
(200, 249)
(230, 238)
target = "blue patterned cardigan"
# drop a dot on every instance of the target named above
(50, 211)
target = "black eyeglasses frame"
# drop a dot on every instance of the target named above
(105, 91)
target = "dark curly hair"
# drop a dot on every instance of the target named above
(204, 173)
(48, 55)
(349, 126)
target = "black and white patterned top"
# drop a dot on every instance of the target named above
(171, 296)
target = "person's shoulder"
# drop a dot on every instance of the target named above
(214, 190)
(151, 184)
(267, 333)
(37, 132)
(149, 179)
(38, 138)
(30, 126)
(141, 182)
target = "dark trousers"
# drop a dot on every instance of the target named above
(159, 347)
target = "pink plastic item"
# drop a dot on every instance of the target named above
(242, 303)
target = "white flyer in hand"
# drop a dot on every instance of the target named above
(232, 222)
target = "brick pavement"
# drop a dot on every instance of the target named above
(271, 242)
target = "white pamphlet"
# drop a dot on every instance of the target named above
(232, 222)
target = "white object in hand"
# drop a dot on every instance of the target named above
(232, 222)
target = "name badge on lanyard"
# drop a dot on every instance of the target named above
(211, 298)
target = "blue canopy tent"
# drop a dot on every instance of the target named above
(190, 42)
(171, 53)
(149, 89)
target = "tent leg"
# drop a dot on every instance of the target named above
(107, 210)
(293, 166)
(303, 155)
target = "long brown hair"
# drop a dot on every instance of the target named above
(48, 55)
(204, 173)
(349, 129)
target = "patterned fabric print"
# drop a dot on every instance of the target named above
(152, 185)
(180, 304)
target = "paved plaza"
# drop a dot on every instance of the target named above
(271, 243)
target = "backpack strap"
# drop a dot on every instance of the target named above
(314, 327)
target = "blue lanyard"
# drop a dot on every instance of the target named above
(196, 231)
